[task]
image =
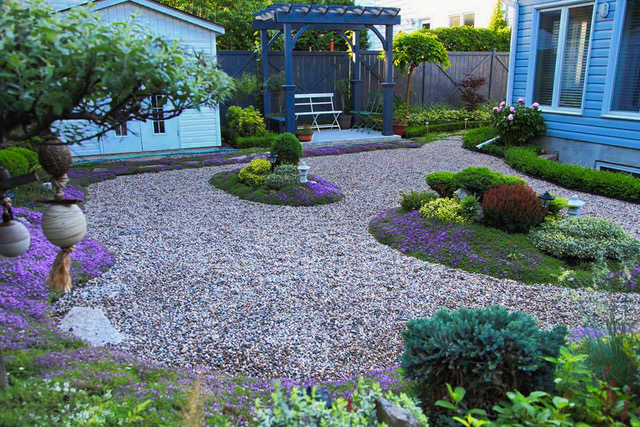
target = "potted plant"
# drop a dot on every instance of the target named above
(305, 134)
(409, 51)
(343, 86)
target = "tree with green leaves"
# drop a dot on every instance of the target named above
(497, 21)
(97, 75)
(411, 50)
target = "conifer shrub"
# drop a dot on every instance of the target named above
(288, 149)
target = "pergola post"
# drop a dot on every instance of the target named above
(266, 93)
(289, 87)
(356, 81)
(388, 85)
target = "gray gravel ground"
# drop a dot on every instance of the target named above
(204, 278)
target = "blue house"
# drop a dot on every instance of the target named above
(580, 60)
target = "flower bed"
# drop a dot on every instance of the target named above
(318, 191)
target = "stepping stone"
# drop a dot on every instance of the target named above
(90, 324)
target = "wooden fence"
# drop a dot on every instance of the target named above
(430, 84)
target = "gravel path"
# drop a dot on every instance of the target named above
(204, 278)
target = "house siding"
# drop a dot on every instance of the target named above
(589, 126)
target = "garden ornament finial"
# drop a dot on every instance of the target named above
(14, 236)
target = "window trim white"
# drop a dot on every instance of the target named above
(612, 66)
(563, 6)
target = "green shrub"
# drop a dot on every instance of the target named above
(443, 209)
(585, 238)
(442, 114)
(556, 206)
(418, 131)
(246, 121)
(610, 184)
(14, 162)
(478, 136)
(413, 201)
(254, 141)
(488, 351)
(288, 149)
(442, 183)
(30, 155)
(477, 180)
(255, 173)
(470, 39)
(283, 176)
(469, 207)
(514, 208)
(517, 125)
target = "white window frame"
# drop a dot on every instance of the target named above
(612, 66)
(423, 21)
(461, 15)
(564, 21)
(161, 122)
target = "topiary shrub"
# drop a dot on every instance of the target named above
(514, 208)
(15, 163)
(585, 238)
(246, 121)
(443, 209)
(254, 141)
(478, 180)
(414, 200)
(478, 136)
(255, 173)
(30, 155)
(487, 351)
(283, 176)
(288, 149)
(442, 183)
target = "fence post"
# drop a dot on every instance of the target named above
(493, 54)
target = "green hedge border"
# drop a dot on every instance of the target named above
(419, 131)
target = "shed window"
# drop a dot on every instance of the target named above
(561, 56)
(157, 114)
(121, 130)
(626, 90)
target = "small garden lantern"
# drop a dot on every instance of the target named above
(272, 157)
(303, 168)
(575, 205)
(546, 199)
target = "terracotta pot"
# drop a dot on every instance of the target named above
(399, 129)
(64, 225)
(14, 239)
(304, 137)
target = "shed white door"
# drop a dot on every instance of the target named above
(159, 133)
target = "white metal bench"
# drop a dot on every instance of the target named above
(314, 105)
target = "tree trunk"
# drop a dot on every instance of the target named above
(408, 94)
(4, 381)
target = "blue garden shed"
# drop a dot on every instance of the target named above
(580, 60)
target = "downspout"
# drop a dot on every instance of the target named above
(512, 49)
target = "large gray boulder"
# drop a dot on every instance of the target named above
(393, 415)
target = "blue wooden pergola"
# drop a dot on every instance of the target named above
(287, 18)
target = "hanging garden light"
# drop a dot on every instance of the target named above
(546, 199)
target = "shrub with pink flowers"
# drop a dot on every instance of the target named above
(518, 124)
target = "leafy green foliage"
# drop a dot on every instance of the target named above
(497, 21)
(469, 207)
(517, 125)
(14, 162)
(255, 173)
(470, 39)
(442, 183)
(30, 155)
(288, 149)
(585, 238)
(423, 130)
(246, 121)
(245, 86)
(514, 208)
(444, 209)
(411, 50)
(263, 141)
(611, 184)
(478, 136)
(477, 180)
(489, 351)
(283, 176)
(414, 200)
(75, 66)
(442, 113)
(302, 408)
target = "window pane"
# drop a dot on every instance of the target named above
(454, 21)
(547, 50)
(574, 66)
(469, 19)
(626, 91)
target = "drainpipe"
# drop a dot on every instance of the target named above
(515, 16)
(495, 138)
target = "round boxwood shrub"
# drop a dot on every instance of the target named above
(585, 238)
(255, 173)
(487, 351)
(30, 155)
(442, 183)
(478, 180)
(14, 162)
(283, 176)
(514, 208)
(288, 149)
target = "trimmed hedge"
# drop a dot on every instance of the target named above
(14, 162)
(610, 184)
(478, 136)
(263, 141)
(418, 131)
(30, 155)
(469, 39)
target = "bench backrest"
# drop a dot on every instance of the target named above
(314, 102)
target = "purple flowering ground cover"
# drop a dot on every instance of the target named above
(318, 191)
